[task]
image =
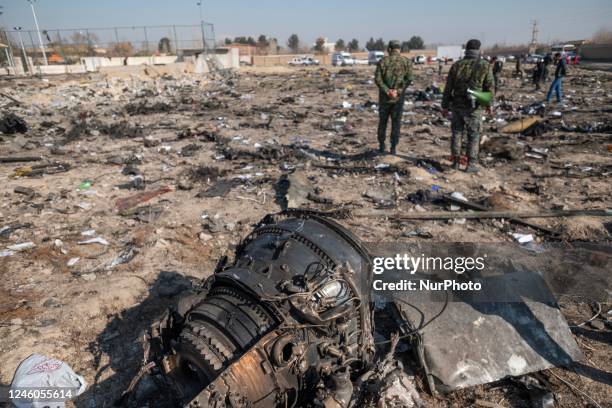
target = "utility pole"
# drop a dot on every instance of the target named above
(42, 46)
(534, 32)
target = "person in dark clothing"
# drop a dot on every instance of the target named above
(475, 74)
(498, 67)
(560, 72)
(538, 74)
(393, 75)
(518, 70)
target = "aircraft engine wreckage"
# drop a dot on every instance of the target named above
(290, 323)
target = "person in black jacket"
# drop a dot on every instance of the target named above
(538, 74)
(498, 67)
(560, 72)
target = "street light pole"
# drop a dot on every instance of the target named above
(25, 55)
(42, 46)
(199, 3)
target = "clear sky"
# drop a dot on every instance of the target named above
(437, 21)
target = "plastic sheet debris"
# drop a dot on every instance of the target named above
(21, 247)
(220, 189)
(85, 185)
(41, 372)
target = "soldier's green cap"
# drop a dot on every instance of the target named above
(394, 44)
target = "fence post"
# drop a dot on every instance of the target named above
(89, 47)
(203, 37)
(176, 43)
(61, 46)
(144, 28)
(32, 47)
(10, 48)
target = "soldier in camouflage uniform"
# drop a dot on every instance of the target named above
(474, 73)
(393, 75)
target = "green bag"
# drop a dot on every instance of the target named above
(482, 98)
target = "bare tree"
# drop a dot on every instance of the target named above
(122, 49)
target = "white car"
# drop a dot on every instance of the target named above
(375, 56)
(303, 61)
(419, 59)
(343, 59)
(310, 61)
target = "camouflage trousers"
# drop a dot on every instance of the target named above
(471, 122)
(394, 110)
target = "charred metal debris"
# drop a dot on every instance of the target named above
(291, 323)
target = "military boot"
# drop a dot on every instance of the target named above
(393, 149)
(381, 148)
(472, 167)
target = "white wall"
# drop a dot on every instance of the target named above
(450, 51)
(93, 63)
(229, 60)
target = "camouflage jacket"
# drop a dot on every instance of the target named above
(393, 72)
(468, 73)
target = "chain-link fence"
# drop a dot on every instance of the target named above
(68, 45)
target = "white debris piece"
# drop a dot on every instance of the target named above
(73, 261)
(41, 372)
(96, 240)
(522, 238)
(21, 247)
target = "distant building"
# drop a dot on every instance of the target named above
(327, 46)
(244, 50)
(452, 52)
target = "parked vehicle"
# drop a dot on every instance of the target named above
(533, 58)
(419, 59)
(297, 61)
(336, 59)
(310, 61)
(374, 57)
(342, 59)
(563, 48)
(361, 61)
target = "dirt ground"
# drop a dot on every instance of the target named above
(178, 135)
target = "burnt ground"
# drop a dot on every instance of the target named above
(240, 134)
